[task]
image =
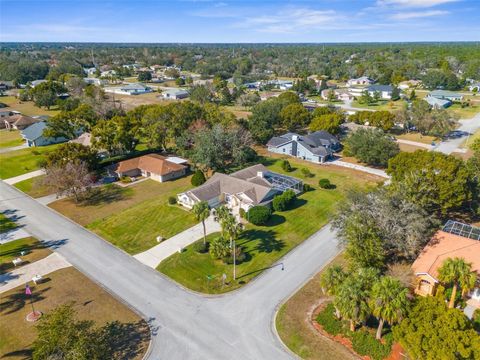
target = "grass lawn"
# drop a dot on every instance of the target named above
(131, 218)
(22, 161)
(27, 107)
(240, 112)
(6, 224)
(469, 142)
(33, 187)
(465, 113)
(11, 250)
(10, 138)
(417, 137)
(90, 301)
(293, 324)
(381, 105)
(264, 245)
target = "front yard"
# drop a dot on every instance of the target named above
(34, 249)
(466, 112)
(33, 187)
(10, 138)
(23, 161)
(265, 245)
(132, 218)
(90, 302)
(27, 107)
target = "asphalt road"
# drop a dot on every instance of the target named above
(468, 126)
(185, 325)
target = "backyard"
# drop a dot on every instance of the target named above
(10, 138)
(22, 161)
(264, 245)
(132, 217)
(27, 107)
(90, 302)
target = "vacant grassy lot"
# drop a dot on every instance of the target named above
(11, 250)
(90, 302)
(33, 187)
(10, 138)
(264, 245)
(131, 218)
(293, 324)
(6, 224)
(417, 137)
(466, 112)
(382, 105)
(27, 107)
(240, 112)
(22, 161)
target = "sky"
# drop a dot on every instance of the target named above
(247, 21)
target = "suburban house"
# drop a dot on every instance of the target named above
(33, 135)
(384, 90)
(340, 94)
(437, 103)
(316, 147)
(153, 166)
(364, 80)
(455, 240)
(36, 82)
(130, 89)
(474, 87)
(446, 95)
(409, 84)
(175, 94)
(255, 185)
(95, 81)
(18, 122)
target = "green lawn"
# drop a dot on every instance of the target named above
(27, 107)
(381, 105)
(35, 251)
(22, 161)
(132, 218)
(33, 187)
(6, 224)
(466, 112)
(10, 138)
(265, 245)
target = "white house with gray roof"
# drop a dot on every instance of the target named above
(175, 94)
(129, 89)
(33, 135)
(316, 147)
(255, 185)
(385, 91)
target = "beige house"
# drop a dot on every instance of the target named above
(255, 185)
(456, 240)
(19, 122)
(154, 166)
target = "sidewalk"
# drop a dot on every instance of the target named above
(24, 274)
(154, 256)
(415, 143)
(13, 148)
(26, 176)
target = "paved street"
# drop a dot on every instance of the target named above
(469, 126)
(185, 325)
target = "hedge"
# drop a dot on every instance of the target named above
(259, 215)
(329, 322)
(198, 178)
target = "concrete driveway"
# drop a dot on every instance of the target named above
(184, 325)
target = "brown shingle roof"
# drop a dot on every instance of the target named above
(20, 120)
(152, 163)
(443, 246)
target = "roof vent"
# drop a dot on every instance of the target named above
(295, 137)
(260, 174)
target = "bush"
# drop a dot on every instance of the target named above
(198, 178)
(242, 213)
(364, 343)
(329, 322)
(125, 179)
(240, 256)
(307, 173)
(324, 184)
(286, 166)
(476, 319)
(200, 247)
(284, 201)
(42, 163)
(172, 200)
(219, 248)
(259, 215)
(307, 187)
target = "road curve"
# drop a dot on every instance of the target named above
(238, 325)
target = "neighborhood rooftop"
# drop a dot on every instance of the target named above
(465, 230)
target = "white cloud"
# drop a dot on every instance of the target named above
(414, 3)
(417, 15)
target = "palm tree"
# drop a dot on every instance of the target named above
(202, 212)
(233, 229)
(352, 301)
(458, 272)
(222, 213)
(331, 279)
(388, 302)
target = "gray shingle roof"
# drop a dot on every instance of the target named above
(34, 131)
(380, 88)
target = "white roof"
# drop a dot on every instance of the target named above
(176, 160)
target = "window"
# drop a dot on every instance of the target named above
(283, 149)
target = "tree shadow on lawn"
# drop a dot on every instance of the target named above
(18, 300)
(105, 195)
(23, 354)
(267, 241)
(298, 203)
(125, 339)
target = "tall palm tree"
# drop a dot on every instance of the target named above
(388, 302)
(233, 229)
(458, 272)
(352, 301)
(201, 210)
(331, 279)
(222, 214)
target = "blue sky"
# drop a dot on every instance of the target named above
(239, 21)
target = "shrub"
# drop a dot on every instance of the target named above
(364, 343)
(198, 178)
(324, 183)
(240, 256)
(284, 201)
(307, 187)
(329, 322)
(259, 215)
(242, 213)
(42, 163)
(286, 166)
(200, 247)
(476, 319)
(219, 248)
(125, 179)
(172, 200)
(307, 173)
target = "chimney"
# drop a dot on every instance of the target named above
(260, 174)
